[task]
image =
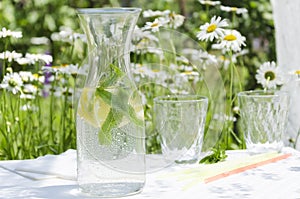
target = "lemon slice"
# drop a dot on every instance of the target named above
(92, 108)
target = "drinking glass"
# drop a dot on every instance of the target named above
(180, 121)
(263, 119)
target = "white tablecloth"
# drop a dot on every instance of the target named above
(57, 179)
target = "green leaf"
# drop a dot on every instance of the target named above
(217, 155)
(120, 108)
(114, 75)
(119, 101)
(112, 120)
(104, 94)
(134, 118)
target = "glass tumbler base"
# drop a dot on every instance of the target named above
(108, 190)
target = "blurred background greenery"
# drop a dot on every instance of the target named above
(39, 19)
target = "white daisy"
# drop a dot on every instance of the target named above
(27, 76)
(153, 26)
(187, 68)
(139, 34)
(191, 51)
(24, 61)
(156, 13)
(29, 91)
(51, 78)
(41, 78)
(29, 107)
(52, 69)
(232, 40)
(66, 34)
(58, 92)
(8, 33)
(71, 69)
(242, 52)
(182, 59)
(175, 20)
(39, 40)
(237, 54)
(224, 62)
(156, 51)
(291, 76)
(10, 56)
(9, 70)
(212, 30)
(207, 59)
(201, 56)
(269, 75)
(236, 109)
(143, 71)
(187, 76)
(224, 117)
(210, 3)
(234, 9)
(297, 73)
(39, 57)
(167, 17)
(12, 82)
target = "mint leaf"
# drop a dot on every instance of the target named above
(105, 95)
(113, 76)
(118, 100)
(217, 155)
(112, 120)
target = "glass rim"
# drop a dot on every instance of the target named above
(261, 93)
(110, 10)
(180, 98)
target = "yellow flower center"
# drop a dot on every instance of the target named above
(297, 72)
(61, 66)
(270, 75)
(154, 25)
(222, 58)
(36, 75)
(172, 16)
(26, 91)
(234, 9)
(230, 37)
(188, 72)
(211, 28)
(12, 83)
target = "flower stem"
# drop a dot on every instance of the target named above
(231, 68)
(4, 61)
(51, 114)
(296, 140)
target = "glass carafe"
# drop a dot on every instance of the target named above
(110, 120)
